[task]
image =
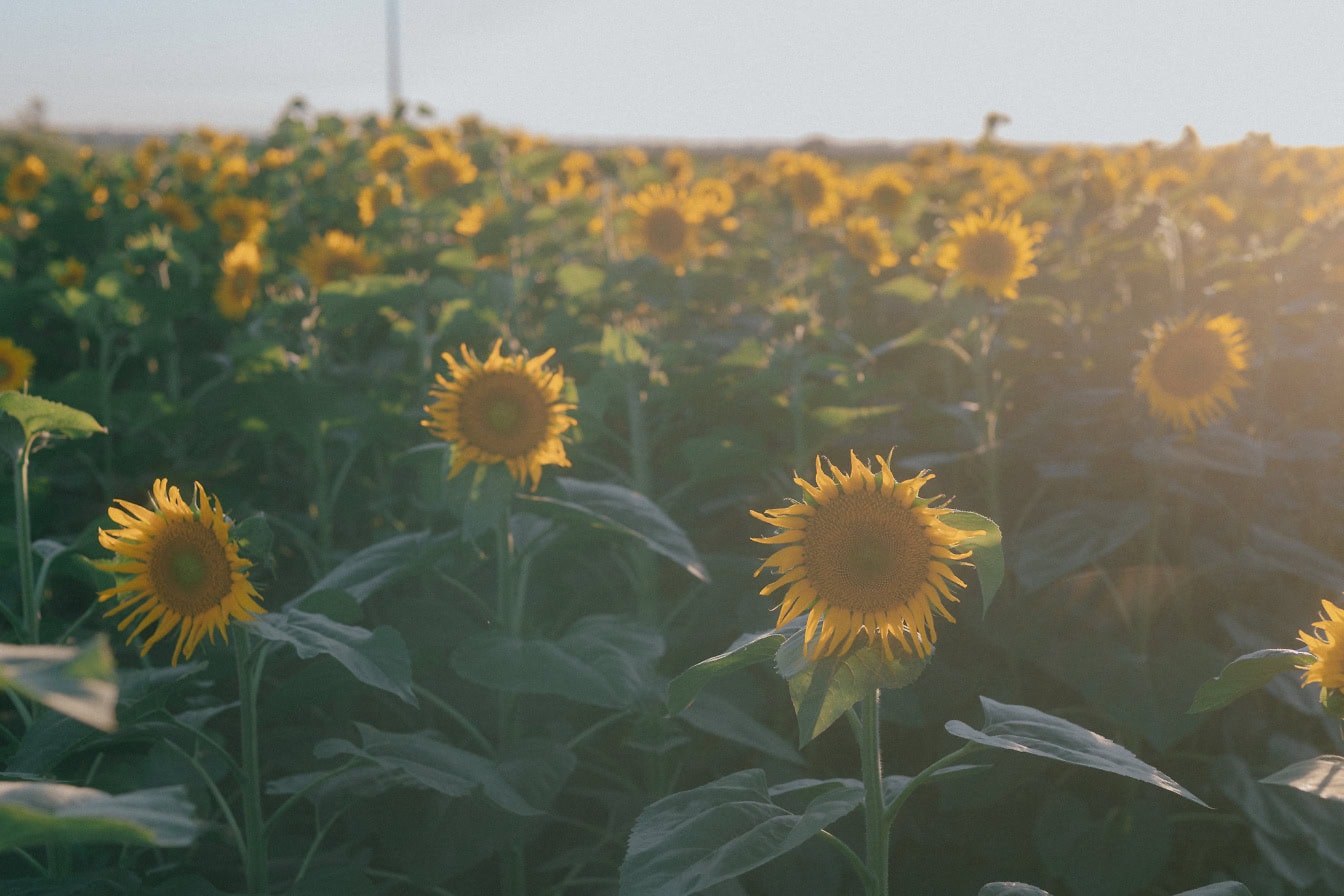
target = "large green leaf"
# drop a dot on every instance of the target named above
(40, 813)
(1023, 729)
(720, 717)
(1075, 537)
(745, 651)
(986, 550)
(79, 681)
(1245, 674)
(1274, 550)
(37, 415)
(1322, 776)
(1011, 889)
(366, 571)
(378, 658)
(823, 690)
(606, 505)
(1222, 888)
(429, 762)
(601, 660)
(690, 841)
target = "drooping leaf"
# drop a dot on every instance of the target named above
(1322, 776)
(601, 660)
(986, 550)
(823, 690)
(79, 681)
(40, 813)
(720, 717)
(378, 657)
(37, 415)
(609, 506)
(1245, 674)
(745, 651)
(366, 571)
(1026, 730)
(1075, 537)
(690, 841)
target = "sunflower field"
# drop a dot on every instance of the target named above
(408, 508)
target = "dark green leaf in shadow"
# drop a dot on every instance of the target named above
(38, 814)
(366, 571)
(1245, 674)
(1011, 889)
(715, 715)
(745, 651)
(1075, 537)
(80, 682)
(378, 658)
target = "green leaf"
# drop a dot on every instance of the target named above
(1011, 889)
(690, 841)
(986, 550)
(1023, 729)
(38, 415)
(427, 761)
(1075, 537)
(745, 651)
(601, 660)
(38, 814)
(606, 505)
(578, 279)
(1118, 851)
(823, 690)
(1274, 550)
(1322, 776)
(378, 658)
(80, 682)
(366, 571)
(1245, 674)
(1223, 888)
(720, 717)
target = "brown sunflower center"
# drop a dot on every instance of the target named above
(665, 230)
(504, 413)
(6, 371)
(808, 190)
(865, 552)
(1190, 362)
(887, 198)
(189, 568)
(990, 254)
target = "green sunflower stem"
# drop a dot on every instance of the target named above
(983, 372)
(876, 824)
(32, 609)
(512, 869)
(253, 846)
(641, 473)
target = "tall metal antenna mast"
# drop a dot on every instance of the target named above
(393, 57)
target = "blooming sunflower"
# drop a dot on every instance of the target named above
(237, 287)
(863, 554)
(1191, 368)
(16, 365)
(436, 170)
(178, 566)
(178, 211)
(668, 224)
(502, 410)
(239, 219)
(333, 256)
(1327, 646)
(388, 153)
(26, 179)
(381, 194)
(886, 190)
(814, 186)
(993, 251)
(869, 243)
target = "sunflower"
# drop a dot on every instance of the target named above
(869, 243)
(241, 268)
(502, 410)
(668, 224)
(434, 171)
(239, 219)
(886, 190)
(388, 153)
(813, 184)
(26, 180)
(233, 174)
(178, 566)
(1327, 646)
(16, 365)
(381, 194)
(193, 165)
(1191, 368)
(864, 554)
(335, 255)
(178, 211)
(991, 250)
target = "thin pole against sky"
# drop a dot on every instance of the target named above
(393, 57)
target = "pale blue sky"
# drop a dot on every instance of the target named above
(696, 70)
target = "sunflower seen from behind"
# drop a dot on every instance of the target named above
(1191, 368)
(863, 555)
(990, 250)
(178, 568)
(503, 410)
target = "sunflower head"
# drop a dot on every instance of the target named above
(1326, 643)
(177, 567)
(436, 170)
(26, 179)
(1191, 368)
(333, 256)
(667, 224)
(508, 411)
(991, 250)
(863, 554)
(16, 365)
(237, 287)
(869, 243)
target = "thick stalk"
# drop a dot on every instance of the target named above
(254, 824)
(32, 609)
(874, 822)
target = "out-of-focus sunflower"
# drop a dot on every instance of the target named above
(886, 190)
(716, 199)
(679, 166)
(383, 193)
(389, 153)
(863, 554)
(70, 273)
(1326, 644)
(667, 224)
(239, 219)
(813, 185)
(192, 165)
(438, 169)
(991, 250)
(237, 287)
(869, 243)
(178, 567)
(507, 411)
(233, 173)
(1191, 367)
(16, 365)
(333, 256)
(178, 211)
(275, 158)
(26, 179)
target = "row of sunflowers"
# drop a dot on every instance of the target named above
(550, 506)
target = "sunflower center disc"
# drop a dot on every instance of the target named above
(665, 230)
(1190, 363)
(187, 569)
(503, 416)
(5, 371)
(865, 552)
(504, 413)
(808, 190)
(990, 254)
